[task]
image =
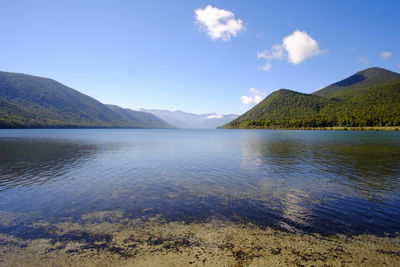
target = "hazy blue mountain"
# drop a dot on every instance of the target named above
(186, 120)
(28, 101)
(144, 119)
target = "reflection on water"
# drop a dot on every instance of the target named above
(327, 182)
(25, 161)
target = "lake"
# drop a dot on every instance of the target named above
(324, 182)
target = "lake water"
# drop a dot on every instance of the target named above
(304, 181)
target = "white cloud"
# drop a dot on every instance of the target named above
(398, 65)
(364, 60)
(276, 52)
(386, 55)
(300, 46)
(266, 67)
(218, 23)
(255, 98)
(254, 91)
(246, 99)
(215, 116)
(295, 47)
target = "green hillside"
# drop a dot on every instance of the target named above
(34, 102)
(366, 99)
(358, 83)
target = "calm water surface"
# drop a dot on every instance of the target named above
(310, 181)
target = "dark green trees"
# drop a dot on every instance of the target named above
(366, 99)
(33, 102)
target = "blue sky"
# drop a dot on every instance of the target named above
(159, 54)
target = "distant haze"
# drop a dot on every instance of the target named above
(182, 119)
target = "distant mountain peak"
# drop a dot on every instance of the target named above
(215, 116)
(183, 119)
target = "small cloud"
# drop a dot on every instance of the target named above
(295, 47)
(255, 98)
(398, 65)
(364, 60)
(215, 116)
(276, 52)
(266, 67)
(300, 46)
(386, 55)
(218, 23)
(254, 91)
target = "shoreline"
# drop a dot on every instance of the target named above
(108, 239)
(383, 128)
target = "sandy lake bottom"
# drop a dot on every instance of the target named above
(107, 238)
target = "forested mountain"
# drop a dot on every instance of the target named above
(368, 98)
(28, 101)
(358, 83)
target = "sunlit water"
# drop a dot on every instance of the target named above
(309, 181)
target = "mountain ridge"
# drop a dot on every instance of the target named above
(366, 78)
(28, 101)
(370, 97)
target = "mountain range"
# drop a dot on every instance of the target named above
(186, 120)
(368, 98)
(28, 101)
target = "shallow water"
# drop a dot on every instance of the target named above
(309, 181)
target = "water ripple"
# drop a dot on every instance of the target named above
(326, 182)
